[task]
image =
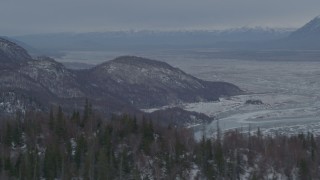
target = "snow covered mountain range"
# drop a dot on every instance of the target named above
(148, 40)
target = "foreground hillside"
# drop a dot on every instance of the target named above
(81, 146)
(125, 84)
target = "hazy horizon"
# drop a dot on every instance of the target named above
(37, 17)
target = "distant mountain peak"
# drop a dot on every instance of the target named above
(314, 21)
(311, 29)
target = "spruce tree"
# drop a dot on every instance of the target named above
(60, 125)
(86, 113)
(51, 119)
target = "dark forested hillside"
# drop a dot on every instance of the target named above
(83, 146)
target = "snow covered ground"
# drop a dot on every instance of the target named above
(289, 90)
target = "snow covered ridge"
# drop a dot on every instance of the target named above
(126, 83)
(13, 52)
(148, 83)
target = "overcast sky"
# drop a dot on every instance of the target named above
(19, 17)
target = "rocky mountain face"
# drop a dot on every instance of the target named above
(125, 84)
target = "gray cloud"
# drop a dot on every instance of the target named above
(40, 16)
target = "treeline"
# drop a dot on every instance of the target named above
(254, 156)
(84, 146)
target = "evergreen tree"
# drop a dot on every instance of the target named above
(80, 150)
(102, 165)
(17, 135)
(219, 158)
(147, 135)
(313, 147)
(52, 162)
(8, 135)
(86, 113)
(60, 125)
(51, 119)
(303, 169)
(75, 118)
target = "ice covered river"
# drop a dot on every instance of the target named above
(289, 90)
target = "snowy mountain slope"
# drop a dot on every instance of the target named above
(124, 84)
(148, 83)
(307, 37)
(311, 29)
(11, 52)
(54, 76)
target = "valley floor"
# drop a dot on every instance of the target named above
(288, 89)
